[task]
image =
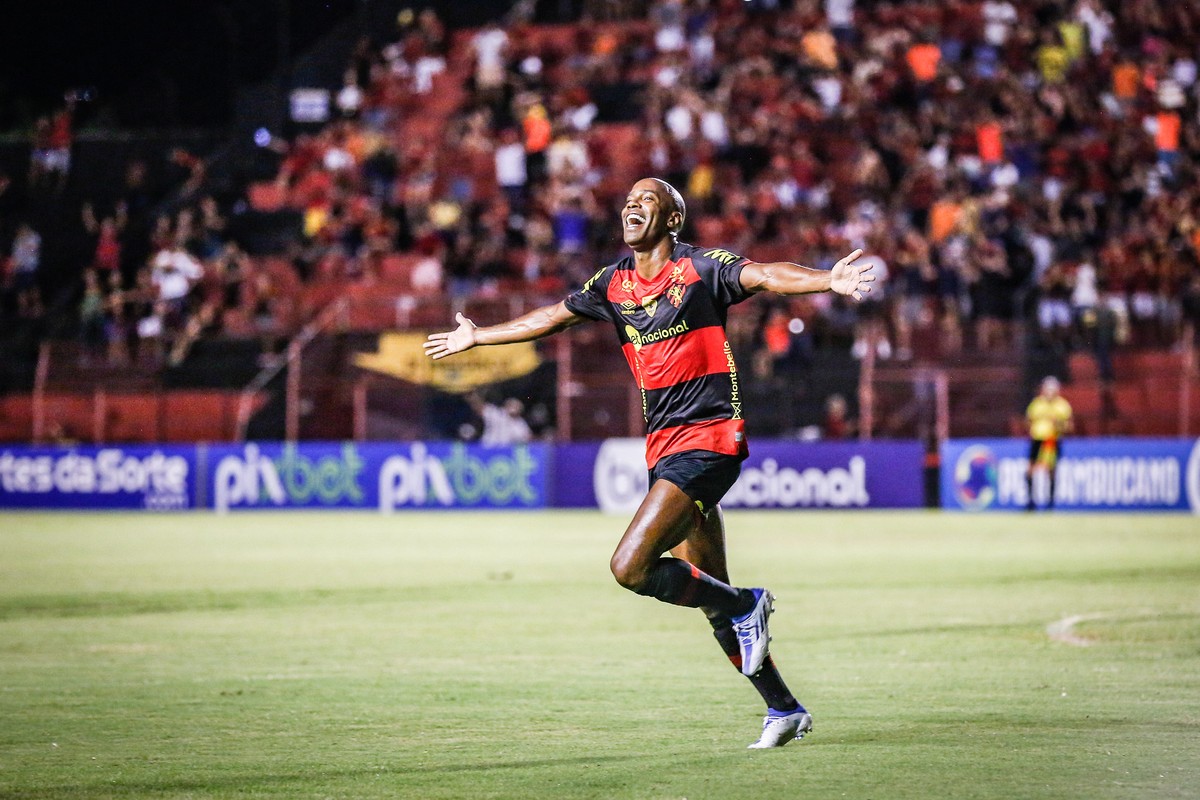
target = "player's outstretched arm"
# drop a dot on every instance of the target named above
(527, 327)
(783, 277)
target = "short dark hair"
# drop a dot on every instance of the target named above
(677, 199)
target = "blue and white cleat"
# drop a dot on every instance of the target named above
(780, 727)
(751, 630)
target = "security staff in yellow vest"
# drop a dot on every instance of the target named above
(1049, 417)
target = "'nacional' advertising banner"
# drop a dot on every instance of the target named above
(1092, 475)
(386, 477)
(117, 477)
(778, 474)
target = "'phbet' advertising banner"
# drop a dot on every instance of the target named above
(378, 476)
(118, 477)
(778, 474)
(1092, 475)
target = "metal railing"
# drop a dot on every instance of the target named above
(332, 314)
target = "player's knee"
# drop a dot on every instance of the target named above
(628, 572)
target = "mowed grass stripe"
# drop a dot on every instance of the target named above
(491, 655)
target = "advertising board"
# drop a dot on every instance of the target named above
(612, 475)
(117, 477)
(1123, 474)
(382, 476)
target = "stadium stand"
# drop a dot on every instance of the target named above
(1023, 171)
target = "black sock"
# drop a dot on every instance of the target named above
(767, 680)
(675, 581)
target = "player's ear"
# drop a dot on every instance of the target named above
(675, 222)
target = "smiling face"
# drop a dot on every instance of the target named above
(650, 214)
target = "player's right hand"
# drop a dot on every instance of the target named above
(440, 345)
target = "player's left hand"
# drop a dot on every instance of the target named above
(851, 279)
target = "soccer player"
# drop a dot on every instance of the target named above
(1049, 416)
(668, 302)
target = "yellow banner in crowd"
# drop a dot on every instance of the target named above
(402, 355)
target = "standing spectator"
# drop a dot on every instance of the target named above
(350, 97)
(26, 262)
(999, 17)
(490, 47)
(503, 424)
(106, 255)
(837, 423)
(50, 161)
(174, 272)
(511, 172)
(536, 124)
(93, 323)
(839, 16)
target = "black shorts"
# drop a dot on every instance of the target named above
(703, 475)
(1043, 451)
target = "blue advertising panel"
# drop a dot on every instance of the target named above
(378, 476)
(572, 484)
(117, 477)
(778, 474)
(1092, 475)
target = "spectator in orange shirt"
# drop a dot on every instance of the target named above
(923, 59)
(944, 217)
(1125, 79)
(989, 141)
(820, 48)
(1166, 141)
(538, 131)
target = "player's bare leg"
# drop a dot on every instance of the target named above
(665, 519)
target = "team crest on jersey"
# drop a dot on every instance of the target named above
(675, 295)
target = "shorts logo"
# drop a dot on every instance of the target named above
(975, 478)
(724, 256)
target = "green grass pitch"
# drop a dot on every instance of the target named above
(447, 655)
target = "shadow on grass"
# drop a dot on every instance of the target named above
(259, 783)
(116, 604)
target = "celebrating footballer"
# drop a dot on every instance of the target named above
(668, 302)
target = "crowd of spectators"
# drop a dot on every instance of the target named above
(1000, 160)
(157, 266)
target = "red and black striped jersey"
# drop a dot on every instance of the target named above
(672, 332)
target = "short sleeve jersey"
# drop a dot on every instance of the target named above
(1047, 417)
(672, 333)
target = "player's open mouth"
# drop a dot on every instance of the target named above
(634, 219)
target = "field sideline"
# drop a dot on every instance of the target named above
(452, 655)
